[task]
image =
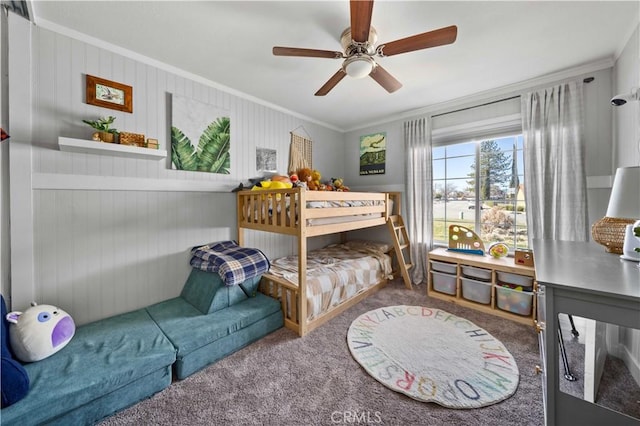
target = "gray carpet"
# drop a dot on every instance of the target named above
(286, 380)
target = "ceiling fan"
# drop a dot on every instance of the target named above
(358, 42)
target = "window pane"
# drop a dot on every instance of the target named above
(498, 191)
(438, 152)
(459, 167)
(466, 148)
(438, 169)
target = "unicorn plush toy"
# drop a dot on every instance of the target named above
(39, 332)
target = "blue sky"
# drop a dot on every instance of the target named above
(460, 157)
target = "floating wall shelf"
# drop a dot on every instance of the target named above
(112, 149)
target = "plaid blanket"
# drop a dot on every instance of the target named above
(233, 263)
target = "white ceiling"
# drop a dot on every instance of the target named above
(229, 42)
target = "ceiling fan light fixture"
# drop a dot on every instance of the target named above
(358, 66)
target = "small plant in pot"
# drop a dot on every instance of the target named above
(103, 126)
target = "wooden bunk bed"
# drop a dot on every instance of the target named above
(304, 214)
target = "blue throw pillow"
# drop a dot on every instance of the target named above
(13, 377)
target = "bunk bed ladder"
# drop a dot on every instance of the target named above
(402, 247)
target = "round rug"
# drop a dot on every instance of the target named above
(432, 355)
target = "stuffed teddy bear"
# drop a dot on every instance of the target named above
(315, 180)
(39, 332)
(304, 177)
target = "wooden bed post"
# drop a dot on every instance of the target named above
(239, 210)
(302, 262)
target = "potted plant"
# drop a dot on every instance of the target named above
(103, 126)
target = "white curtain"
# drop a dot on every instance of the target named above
(554, 158)
(418, 190)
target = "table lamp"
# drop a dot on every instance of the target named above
(623, 210)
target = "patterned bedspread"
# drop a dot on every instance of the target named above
(335, 273)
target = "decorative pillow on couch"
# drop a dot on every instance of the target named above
(39, 332)
(14, 378)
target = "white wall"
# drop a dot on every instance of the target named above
(627, 117)
(627, 143)
(78, 239)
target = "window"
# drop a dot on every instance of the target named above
(480, 185)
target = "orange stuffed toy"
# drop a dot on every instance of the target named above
(304, 176)
(315, 180)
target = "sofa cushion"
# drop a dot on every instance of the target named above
(104, 357)
(207, 293)
(188, 329)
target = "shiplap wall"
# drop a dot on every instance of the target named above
(99, 251)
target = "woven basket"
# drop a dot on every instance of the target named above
(131, 139)
(609, 231)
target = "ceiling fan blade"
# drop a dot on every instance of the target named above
(335, 79)
(446, 35)
(312, 53)
(385, 79)
(361, 12)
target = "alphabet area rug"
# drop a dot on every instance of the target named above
(433, 356)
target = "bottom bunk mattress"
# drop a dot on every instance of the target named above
(337, 273)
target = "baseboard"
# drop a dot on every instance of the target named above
(631, 361)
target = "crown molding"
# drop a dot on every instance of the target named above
(495, 94)
(52, 26)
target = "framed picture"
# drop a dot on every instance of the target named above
(109, 94)
(200, 136)
(373, 153)
(266, 160)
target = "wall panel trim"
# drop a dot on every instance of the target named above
(59, 181)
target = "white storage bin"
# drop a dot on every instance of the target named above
(515, 279)
(476, 273)
(447, 268)
(444, 283)
(477, 291)
(518, 302)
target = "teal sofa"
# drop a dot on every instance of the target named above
(116, 362)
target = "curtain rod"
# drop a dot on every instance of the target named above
(586, 80)
(476, 106)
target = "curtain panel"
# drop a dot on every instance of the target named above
(419, 194)
(554, 158)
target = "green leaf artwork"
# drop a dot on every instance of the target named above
(192, 120)
(213, 149)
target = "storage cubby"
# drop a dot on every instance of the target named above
(475, 282)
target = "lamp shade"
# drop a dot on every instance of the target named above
(623, 210)
(625, 194)
(358, 66)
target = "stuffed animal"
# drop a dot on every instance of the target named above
(315, 180)
(13, 376)
(39, 332)
(338, 184)
(304, 176)
(281, 178)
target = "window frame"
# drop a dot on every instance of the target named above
(458, 135)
